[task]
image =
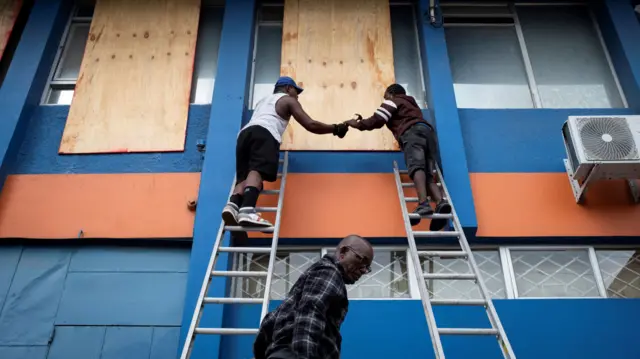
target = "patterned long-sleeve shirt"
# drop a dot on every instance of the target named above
(308, 321)
(398, 114)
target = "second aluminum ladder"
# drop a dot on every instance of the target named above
(194, 328)
(465, 253)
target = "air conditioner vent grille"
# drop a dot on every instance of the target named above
(607, 139)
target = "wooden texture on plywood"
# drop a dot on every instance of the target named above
(340, 52)
(132, 93)
(9, 10)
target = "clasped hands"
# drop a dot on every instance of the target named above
(341, 129)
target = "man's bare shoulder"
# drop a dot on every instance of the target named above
(284, 106)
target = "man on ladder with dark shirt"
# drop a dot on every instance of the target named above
(417, 138)
(258, 150)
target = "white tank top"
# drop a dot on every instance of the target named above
(265, 115)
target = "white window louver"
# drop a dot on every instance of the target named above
(607, 139)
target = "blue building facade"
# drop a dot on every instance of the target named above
(82, 277)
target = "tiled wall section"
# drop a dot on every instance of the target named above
(91, 302)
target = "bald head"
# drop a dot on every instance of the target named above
(355, 254)
(356, 242)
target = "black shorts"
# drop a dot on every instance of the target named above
(257, 150)
(420, 148)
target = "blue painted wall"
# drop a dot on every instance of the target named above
(26, 77)
(39, 151)
(519, 140)
(86, 301)
(549, 329)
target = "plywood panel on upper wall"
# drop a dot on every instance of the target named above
(9, 10)
(340, 51)
(132, 93)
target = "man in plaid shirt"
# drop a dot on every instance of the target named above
(306, 325)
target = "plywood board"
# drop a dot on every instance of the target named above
(340, 51)
(9, 10)
(132, 93)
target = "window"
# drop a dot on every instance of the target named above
(391, 276)
(620, 271)
(529, 56)
(507, 272)
(490, 271)
(64, 73)
(553, 273)
(268, 47)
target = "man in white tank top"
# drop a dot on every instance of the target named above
(258, 149)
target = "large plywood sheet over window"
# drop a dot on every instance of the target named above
(341, 53)
(9, 10)
(132, 93)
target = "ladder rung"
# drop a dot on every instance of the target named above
(443, 254)
(266, 209)
(407, 185)
(476, 302)
(436, 234)
(411, 199)
(281, 160)
(211, 300)
(227, 331)
(403, 172)
(230, 273)
(248, 229)
(270, 191)
(449, 276)
(245, 249)
(467, 331)
(431, 216)
(279, 175)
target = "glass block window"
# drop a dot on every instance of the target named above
(490, 270)
(553, 273)
(620, 270)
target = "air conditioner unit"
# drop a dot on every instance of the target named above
(602, 148)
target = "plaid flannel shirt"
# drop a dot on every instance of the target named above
(308, 321)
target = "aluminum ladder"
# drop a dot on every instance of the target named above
(428, 303)
(194, 328)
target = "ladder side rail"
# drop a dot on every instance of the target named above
(506, 348)
(274, 243)
(424, 294)
(204, 289)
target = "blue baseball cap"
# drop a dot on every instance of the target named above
(288, 81)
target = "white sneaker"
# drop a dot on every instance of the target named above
(230, 214)
(250, 218)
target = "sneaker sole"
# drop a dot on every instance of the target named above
(438, 224)
(229, 219)
(250, 223)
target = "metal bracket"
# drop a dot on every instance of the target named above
(201, 145)
(579, 190)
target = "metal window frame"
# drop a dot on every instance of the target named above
(513, 8)
(592, 261)
(504, 255)
(62, 84)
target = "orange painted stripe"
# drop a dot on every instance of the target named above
(101, 205)
(334, 205)
(315, 206)
(543, 205)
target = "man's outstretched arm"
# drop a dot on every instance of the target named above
(295, 109)
(379, 118)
